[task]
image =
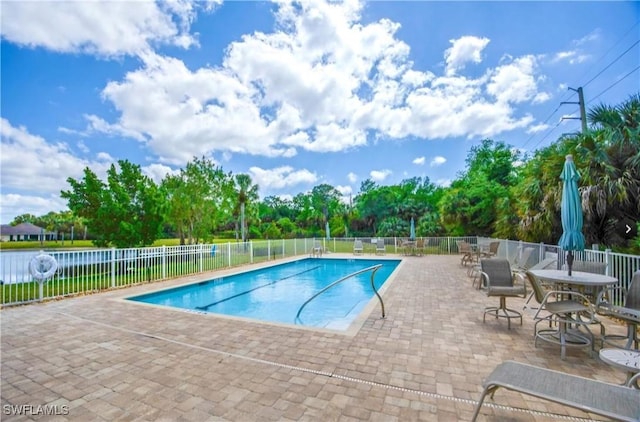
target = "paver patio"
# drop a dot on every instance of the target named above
(113, 360)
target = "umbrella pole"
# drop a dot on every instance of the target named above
(569, 261)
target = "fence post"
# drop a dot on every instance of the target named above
(251, 252)
(449, 245)
(607, 258)
(229, 253)
(295, 247)
(541, 254)
(164, 262)
(284, 255)
(201, 256)
(113, 268)
(268, 248)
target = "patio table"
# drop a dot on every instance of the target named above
(580, 281)
(628, 360)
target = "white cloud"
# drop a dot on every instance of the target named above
(14, 205)
(157, 172)
(419, 161)
(106, 28)
(572, 57)
(29, 163)
(380, 175)
(437, 161)
(538, 128)
(281, 177)
(445, 183)
(463, 50)
(515, 82)
(320, 82)
(345, 190)
(352, 177)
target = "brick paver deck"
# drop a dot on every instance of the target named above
(100, 358)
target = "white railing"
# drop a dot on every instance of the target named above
(87, 271)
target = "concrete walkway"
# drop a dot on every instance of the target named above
(100, 358)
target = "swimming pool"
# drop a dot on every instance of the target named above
(276, 293)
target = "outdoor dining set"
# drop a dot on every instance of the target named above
(568, 311)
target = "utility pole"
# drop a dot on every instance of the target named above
(583, 114)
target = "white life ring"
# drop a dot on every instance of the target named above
(43, 267)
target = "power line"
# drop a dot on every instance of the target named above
(615, 83)
(609, 50)
(610, 64)
(591, 80)
(548, 133)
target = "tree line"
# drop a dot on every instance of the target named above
(502, 193)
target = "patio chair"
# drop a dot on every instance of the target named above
(358, 248)
(556, 309)
(610, 400)
(420, 247)
(317, 249)
(629, 312)
(545, 264)
(380, 247)
(499, 281)
(492, 250)
(588, 267)
(467, 252)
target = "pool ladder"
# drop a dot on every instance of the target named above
(373, 270)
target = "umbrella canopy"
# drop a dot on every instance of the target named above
(412, 230)
(571, 212)
(327, 230)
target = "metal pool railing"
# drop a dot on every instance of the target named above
(373, 270)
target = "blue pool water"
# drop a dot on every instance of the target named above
(276, 293)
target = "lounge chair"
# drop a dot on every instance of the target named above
(555, 309)
(380, 247)
(610, 400)
(521, 260)
(499, 281)
(629, 312)
(358, 248)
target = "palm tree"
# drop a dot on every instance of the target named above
(247, 193)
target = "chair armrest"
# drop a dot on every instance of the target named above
(634, 381)
(523, 279)
(600, 299)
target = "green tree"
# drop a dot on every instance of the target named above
(124, 212)
(246, 196)
(608, 158)
(471, 204)
(199, 199)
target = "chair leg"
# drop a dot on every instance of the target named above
(502, 311)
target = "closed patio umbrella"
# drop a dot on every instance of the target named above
(412, 230)
(572, 238)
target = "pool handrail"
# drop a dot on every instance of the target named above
(373, 268)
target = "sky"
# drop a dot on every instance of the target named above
(295, 94)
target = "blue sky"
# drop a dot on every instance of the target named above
(294, 94)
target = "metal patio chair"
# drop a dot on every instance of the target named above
(500, 281)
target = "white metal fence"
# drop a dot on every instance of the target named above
(87, 271)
